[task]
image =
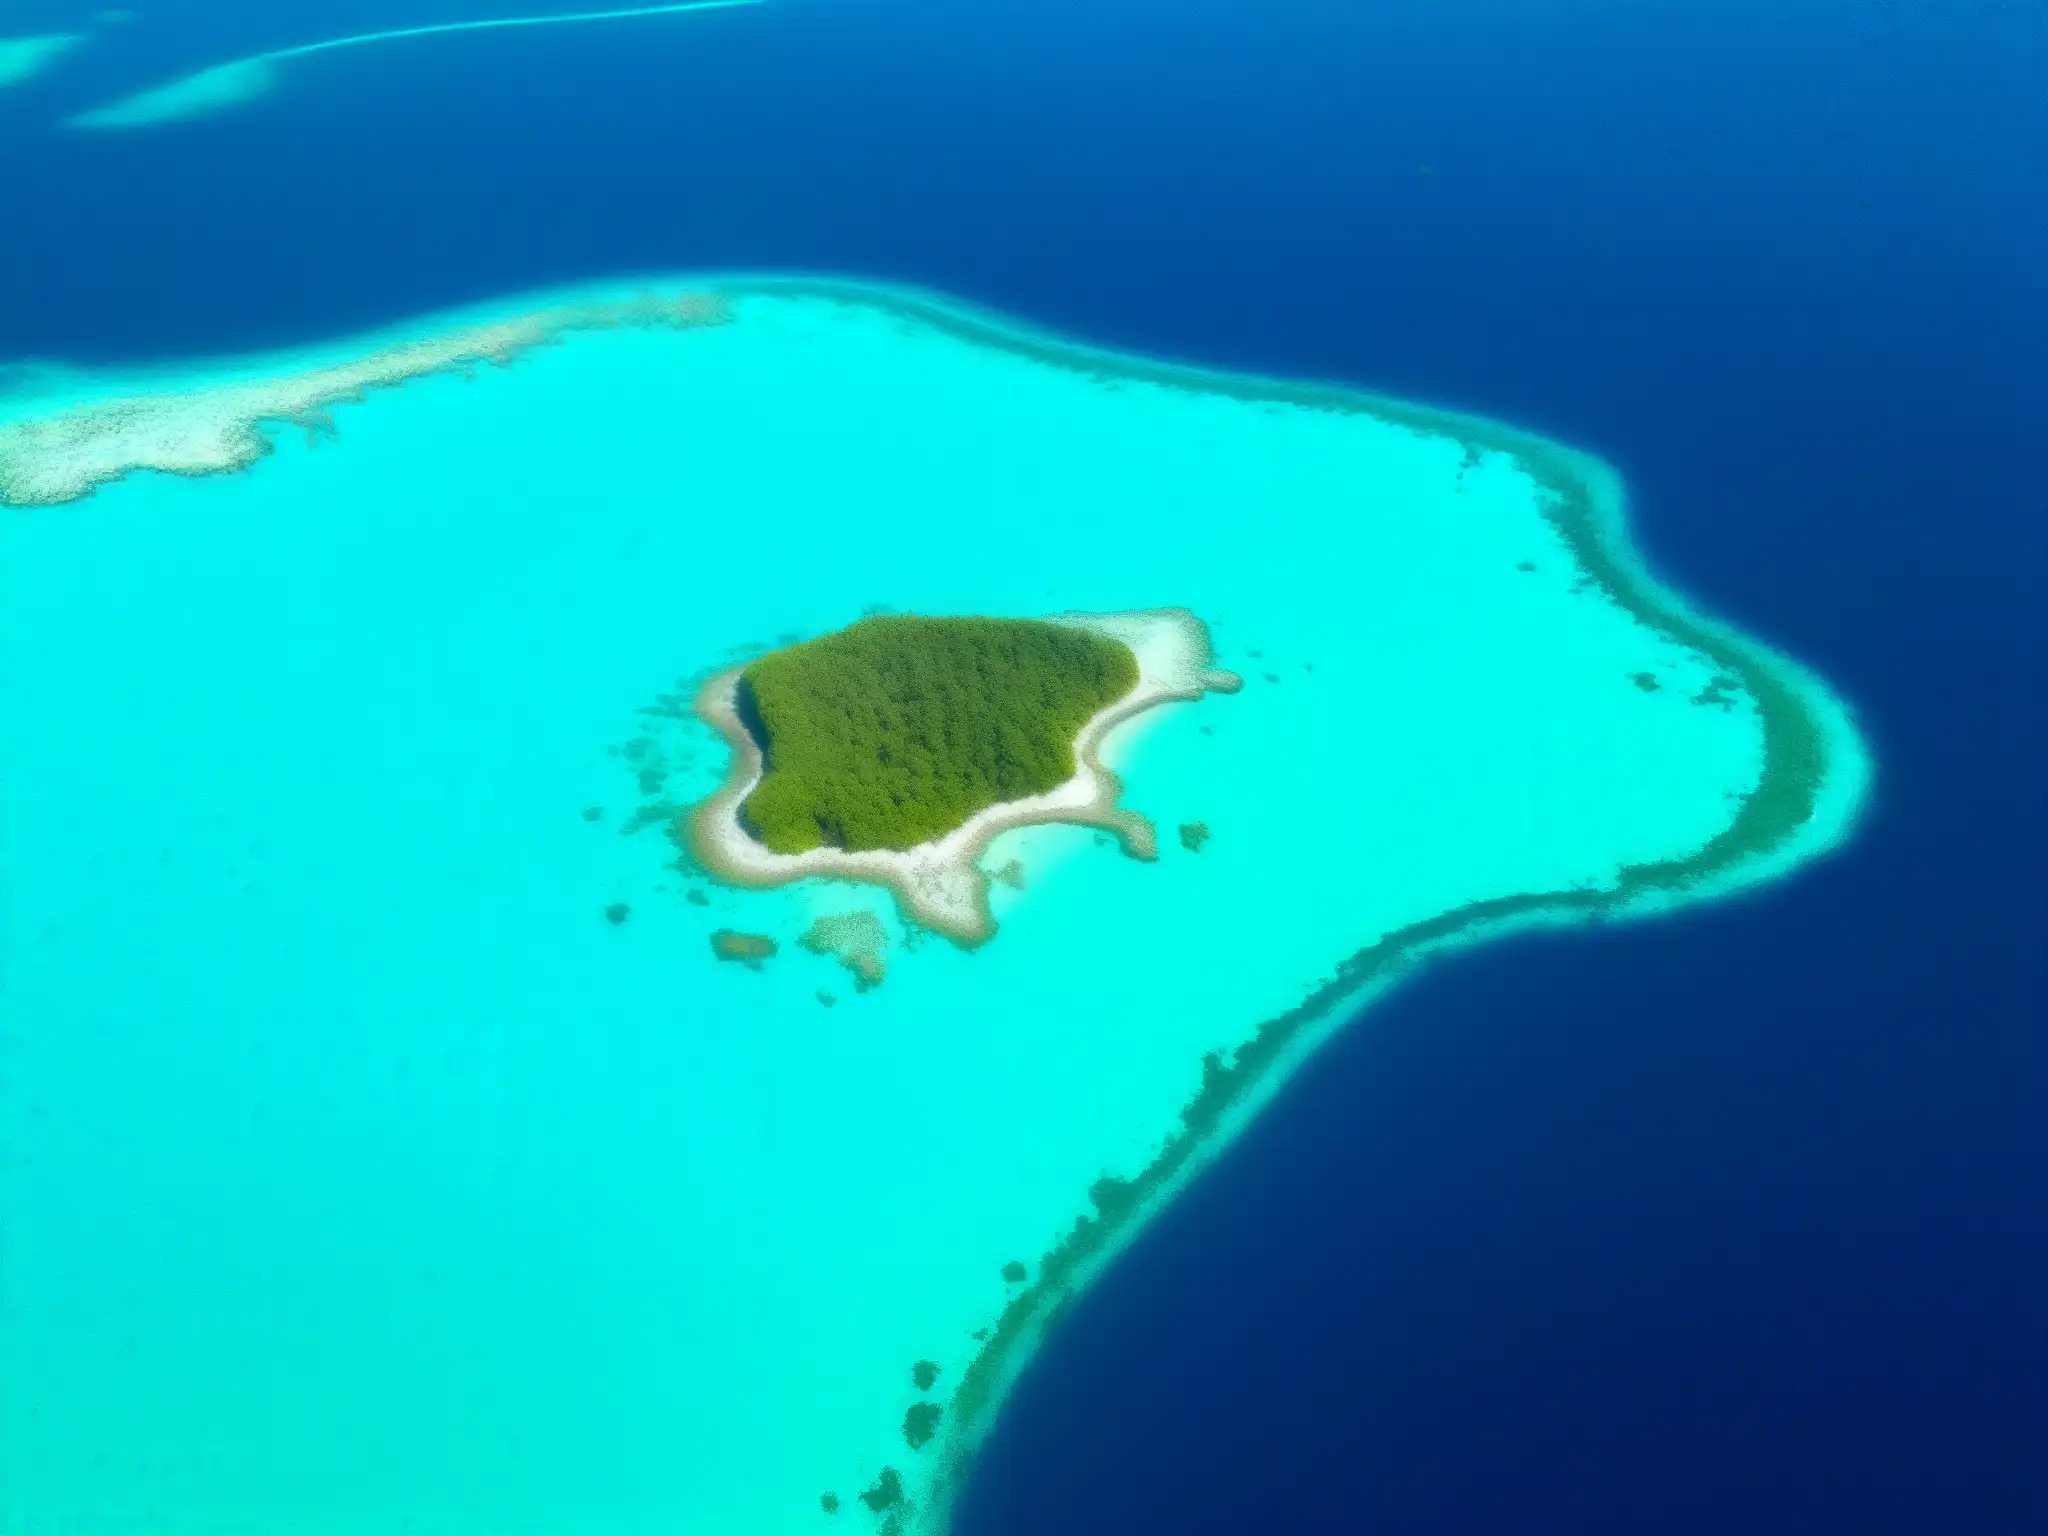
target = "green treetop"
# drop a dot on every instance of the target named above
(897, 729)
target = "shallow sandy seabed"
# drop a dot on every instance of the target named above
(499, 1210)
(23, 58)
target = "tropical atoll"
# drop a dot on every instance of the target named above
(552, 1201)
(894, 731)
(892, 751)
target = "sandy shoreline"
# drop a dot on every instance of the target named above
(937, 884)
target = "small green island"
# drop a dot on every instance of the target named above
(893, 750)
(897, 729)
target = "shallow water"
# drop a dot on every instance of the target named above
(23, 58)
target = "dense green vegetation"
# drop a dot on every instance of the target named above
(895, 730)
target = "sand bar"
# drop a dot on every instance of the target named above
(217, 429)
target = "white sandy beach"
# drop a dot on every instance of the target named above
(939, 884)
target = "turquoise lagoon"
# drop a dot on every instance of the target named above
(363, 1176)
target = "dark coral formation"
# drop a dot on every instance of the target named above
(748, 949)
(887, 1493)
(1718, 692)
(920, 1423)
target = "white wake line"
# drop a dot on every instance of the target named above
(503, 21)
(221, 86)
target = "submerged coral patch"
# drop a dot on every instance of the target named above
(856, 939)
(748, 949)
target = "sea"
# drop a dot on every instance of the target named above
(1732, 1220)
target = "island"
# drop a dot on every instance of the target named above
(892, 751)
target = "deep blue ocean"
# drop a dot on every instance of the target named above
(1731, 1223)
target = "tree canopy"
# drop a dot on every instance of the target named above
(896, 729)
